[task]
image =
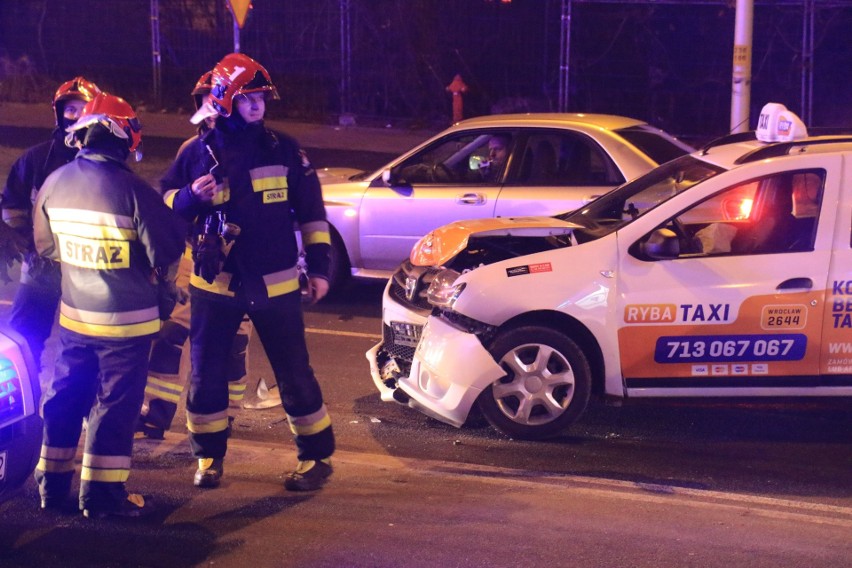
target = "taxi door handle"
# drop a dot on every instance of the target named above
(471, 199)
(796, 283)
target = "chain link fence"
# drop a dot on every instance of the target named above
(391, 60)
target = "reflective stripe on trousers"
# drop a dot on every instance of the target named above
(111, 405)
(281, 330)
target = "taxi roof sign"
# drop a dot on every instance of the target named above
(240, 8)
(777, 124)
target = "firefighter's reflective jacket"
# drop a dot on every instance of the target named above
(25, 179)
(108, 228)
(266, 186)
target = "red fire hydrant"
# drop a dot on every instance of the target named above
(457, 88)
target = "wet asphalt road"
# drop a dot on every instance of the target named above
(709, 484)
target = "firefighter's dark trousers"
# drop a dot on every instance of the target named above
(34, 311)
(103, 380)
(281, 330)
(166, 383)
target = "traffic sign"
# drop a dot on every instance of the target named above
(240, 8)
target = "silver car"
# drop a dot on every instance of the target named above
(551, 163)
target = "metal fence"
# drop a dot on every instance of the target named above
(391, 60)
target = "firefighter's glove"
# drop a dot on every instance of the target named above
(13, 246)
(208, 257)
(166, 299)
(168, 293)
(43, 270)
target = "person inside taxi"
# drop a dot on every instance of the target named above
(806, 194)
(784, 222)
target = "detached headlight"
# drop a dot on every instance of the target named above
(443, 291)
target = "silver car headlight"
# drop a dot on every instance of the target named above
(443, 291)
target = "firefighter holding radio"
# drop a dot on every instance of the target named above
(165, 381)
(251, 186)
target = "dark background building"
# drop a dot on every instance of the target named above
(668, 62)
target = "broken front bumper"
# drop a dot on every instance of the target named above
(450, 370)
(391, 358)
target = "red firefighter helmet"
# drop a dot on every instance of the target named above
(202, 88)
(116, 115)
(77, 88)
(236, 74)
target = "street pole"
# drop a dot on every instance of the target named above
(239, 10)
(156, 58)
(564, 57)
(345, 60)
(808, 61)
(741, 81)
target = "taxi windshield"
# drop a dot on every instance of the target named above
(633, 199)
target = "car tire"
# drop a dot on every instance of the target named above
(546, 387)
(339, 273)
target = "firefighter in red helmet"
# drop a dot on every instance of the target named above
(116, 242)
(165, 381)
(34, 307)
(251, 186)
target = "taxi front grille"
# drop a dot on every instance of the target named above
(409, 284)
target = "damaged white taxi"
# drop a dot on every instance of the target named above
(723, 273)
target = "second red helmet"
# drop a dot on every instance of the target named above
(116, 115)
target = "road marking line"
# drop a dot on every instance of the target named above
(343, 333)
(820, 513)
(654, 493)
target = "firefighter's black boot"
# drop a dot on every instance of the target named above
(310, 475)
(134, 506)
(149, 430)
(58, 505)
(209, 473)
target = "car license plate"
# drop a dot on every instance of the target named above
(406, 334)
(2, 465)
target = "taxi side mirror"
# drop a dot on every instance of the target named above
(662, 244)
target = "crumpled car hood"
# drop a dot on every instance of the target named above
(441, 245)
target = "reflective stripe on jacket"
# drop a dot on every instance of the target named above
(27, 176)
(271, 189)
(108, 228)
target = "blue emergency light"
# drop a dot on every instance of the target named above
(11, 394)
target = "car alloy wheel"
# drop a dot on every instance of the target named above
(546, 387)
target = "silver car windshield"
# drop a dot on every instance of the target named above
(633, 199)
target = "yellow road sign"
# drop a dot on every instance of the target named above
(240, 8)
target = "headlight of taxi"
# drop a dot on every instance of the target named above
(443, 291)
